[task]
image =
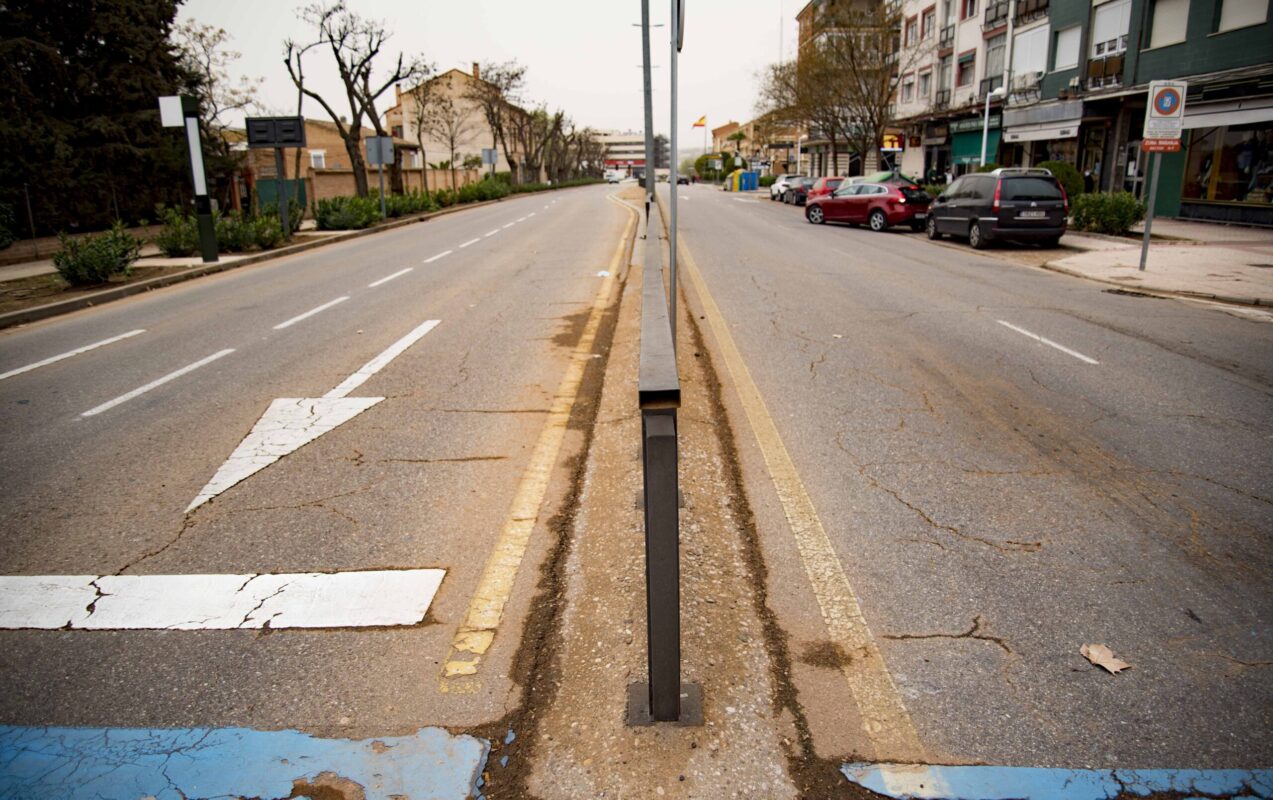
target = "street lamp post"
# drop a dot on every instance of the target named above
(985, 122)
(799, 139)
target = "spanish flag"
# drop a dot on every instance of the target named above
(702, 122)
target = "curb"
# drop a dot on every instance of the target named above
(37, 313)
(1221, 298)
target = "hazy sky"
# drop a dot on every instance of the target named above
(582, 56)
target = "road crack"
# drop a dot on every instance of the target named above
(973, 632)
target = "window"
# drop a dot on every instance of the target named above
(996, 47)
(1169, 22)
(912, 25)
(928, 22)
(908, 89)
(925, 85)
(968, 9)
(967, 68)
(318, 159)
(1241, 13)
(943, 73)
(1067, 48)
(1229, 165)
(1030, 50)
(1109, 28)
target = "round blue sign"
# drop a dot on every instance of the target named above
(1167, 101)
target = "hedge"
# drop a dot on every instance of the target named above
(1114, 214)
(95, 259)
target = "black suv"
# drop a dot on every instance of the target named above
(1012, 204)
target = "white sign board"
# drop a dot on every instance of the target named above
(170, 111)
(1164, 115)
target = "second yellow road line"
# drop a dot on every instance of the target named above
(884, 717)
(486, 609)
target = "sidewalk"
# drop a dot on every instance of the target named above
(1220, 262)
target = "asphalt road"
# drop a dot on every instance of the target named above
(998, 502)
(423, 479)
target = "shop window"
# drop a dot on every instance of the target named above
(1109, 28)
(1231, 164)
(1067, 48)
(928, 23)
(1170, 18)
(967, 68)
(1241, 13)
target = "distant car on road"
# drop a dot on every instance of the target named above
(876, 205)
(825, 186)
(1009, 204)
(613, 176)
(798, 191)
(781, 184)
(683, 180)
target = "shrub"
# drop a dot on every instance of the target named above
(180, 234)
(235, 233)
(991, 167)
(346, 213)
(398, 205)
(94, 259)
(1068, 176)
(767, 180)
(1113, 214)
(8, 231)
(934, 189)
(444, 198)
(267, 231)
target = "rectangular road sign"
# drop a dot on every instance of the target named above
(379, 150)
(275, 131)
(1164, 114)
(488, 155)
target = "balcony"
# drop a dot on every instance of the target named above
(947, 38)
(1029, 10)
(996, 15)
(1105, 72)
(989, 85)
(943, 99)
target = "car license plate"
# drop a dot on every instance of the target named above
(1033, 214)
(921, 215)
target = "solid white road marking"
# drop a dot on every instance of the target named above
(218, 602)
(440, 255)
(388, 278)
(511, 224)
(124, 398)
(290, 423)
(490, 233)
(289, 323)
(381, 361)
(471, 241)
(69, 353)
(1048, 342)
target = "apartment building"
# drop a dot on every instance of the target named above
(465, 122)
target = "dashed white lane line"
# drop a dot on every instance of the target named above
(531, 214)
(443, 254)
(171, 376)
(511, 224)
(521, 219)
(218, 602)
(70, 353)
(289, 323)
(388, 278)
(490, 233)
(1049, 342)
(471, 241)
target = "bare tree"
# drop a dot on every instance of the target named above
(498, 94)
(450, 123)
(422, 97)
(532, 131)
(354, 44)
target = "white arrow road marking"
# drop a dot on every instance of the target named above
(124, 398)
(69, 353)
(218, 602)
(290, 423)
(1048, 342)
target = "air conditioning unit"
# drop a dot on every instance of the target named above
(1075, 83)
(1024, 81)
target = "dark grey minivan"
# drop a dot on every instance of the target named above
(1010, 204)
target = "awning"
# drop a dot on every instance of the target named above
(1041, 132)
(965, 148)
(1229, 112)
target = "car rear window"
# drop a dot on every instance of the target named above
(914, 194)
(833, 183)
(1030, 189)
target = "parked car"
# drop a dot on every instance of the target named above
(876, 205)
(781, 184)
(1008, 204)
(825, 186)
(798, 191)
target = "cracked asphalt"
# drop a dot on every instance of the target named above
(997, 502)
(424, 478)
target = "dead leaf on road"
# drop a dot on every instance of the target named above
(1103, 657)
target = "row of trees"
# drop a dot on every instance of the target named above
(844, 82)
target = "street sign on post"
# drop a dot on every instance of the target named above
(277, 133)
(1164, 123)
(177, 111)
(379, 153)
(489, 157)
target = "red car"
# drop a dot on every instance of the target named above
(824, 186)
(877, 205)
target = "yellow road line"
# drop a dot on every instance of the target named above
(884, 717)
(486, 609)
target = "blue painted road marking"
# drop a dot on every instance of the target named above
(923, 782)
(188, 763)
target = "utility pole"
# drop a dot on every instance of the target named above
(673, 176)
(649, 112)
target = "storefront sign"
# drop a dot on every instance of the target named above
(973, 124)
(1164, 117)
(892, 143)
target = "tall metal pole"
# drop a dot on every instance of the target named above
(1149, 208)
(673, 175)
(281, 185)
(649, 111)
(199, 179)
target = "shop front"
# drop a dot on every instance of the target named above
(966, 139)
(936, 146)
(1228, 164)
(1043, 132)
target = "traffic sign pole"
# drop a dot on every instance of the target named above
(1164, 122)
(1149, 213)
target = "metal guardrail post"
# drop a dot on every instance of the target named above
(664, 698)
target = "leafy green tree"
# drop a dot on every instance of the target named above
(79, 114)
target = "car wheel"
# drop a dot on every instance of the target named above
(931, 228)
(814, 214)
(877, 221)
(976, 238)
